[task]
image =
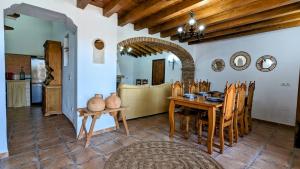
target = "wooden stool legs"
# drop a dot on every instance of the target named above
(115, 115)
(95, 115)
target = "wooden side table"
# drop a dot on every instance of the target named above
(85, 113)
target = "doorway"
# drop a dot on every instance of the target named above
(30, 33)
(158, 71)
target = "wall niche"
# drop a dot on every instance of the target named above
(98, 51)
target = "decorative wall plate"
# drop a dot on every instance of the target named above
(240, 61)
(266, 63)
(218, 65)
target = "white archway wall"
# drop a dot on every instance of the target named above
(91, 78)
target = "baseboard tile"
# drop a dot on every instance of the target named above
(270, 122)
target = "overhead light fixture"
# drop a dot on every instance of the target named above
(125, 50)
(191, 29)
(129, 49)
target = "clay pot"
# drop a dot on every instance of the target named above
(96, 103)
(113, 101)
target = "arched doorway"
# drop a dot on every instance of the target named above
(69, 67)
(188, 65)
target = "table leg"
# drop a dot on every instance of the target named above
(115, 115)
(124, 122)
(171, 118)
(90, 134)
(82, 129)
(211, 128)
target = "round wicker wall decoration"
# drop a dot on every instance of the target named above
(240, 61)
(266, 63)
(218, 65)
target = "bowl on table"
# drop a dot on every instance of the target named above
(214, 99)
(190, 96)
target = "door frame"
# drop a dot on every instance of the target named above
(297, 123)
(49, 15)
(164, 68)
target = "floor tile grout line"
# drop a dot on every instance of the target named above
(65, 144)
(291, 162)
(259, 152)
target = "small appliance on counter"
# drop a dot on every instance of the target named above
(22, 74)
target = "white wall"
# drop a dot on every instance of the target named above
(59, 31)
(28, 37)
(272, 102)
(3, 134)
(141, 68)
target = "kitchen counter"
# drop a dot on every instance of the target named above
(18, 93)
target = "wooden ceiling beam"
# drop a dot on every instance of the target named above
(210, 10)
(136, 53)
(258, 25)
(169, 13)
(146, 48)
(269, 14)
(83, 3)
(262, 16)
(269, 22)
(144, 9)
(158, 49)
(114, 6)
(239, 12)
(140, 49)
(255, 31)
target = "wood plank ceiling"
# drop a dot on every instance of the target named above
(223, 18)
(144, 49)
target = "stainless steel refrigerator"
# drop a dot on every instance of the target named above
(38, 75)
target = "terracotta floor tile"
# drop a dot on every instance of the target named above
(52, 151)
(85, 155)
(20, 160)
(109, 147)
(262, 164)
(50, 142)
(62, 161)
(228, 163)
(95, 163)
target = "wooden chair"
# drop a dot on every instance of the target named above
(204, 86)
(185, 116)
(239, 113)
(224, 117)
(193, 87)
(248, 108)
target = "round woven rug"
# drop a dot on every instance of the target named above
(160, 155)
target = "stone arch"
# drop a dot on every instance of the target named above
(188, 65)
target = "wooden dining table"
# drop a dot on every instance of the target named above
(197, 103)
